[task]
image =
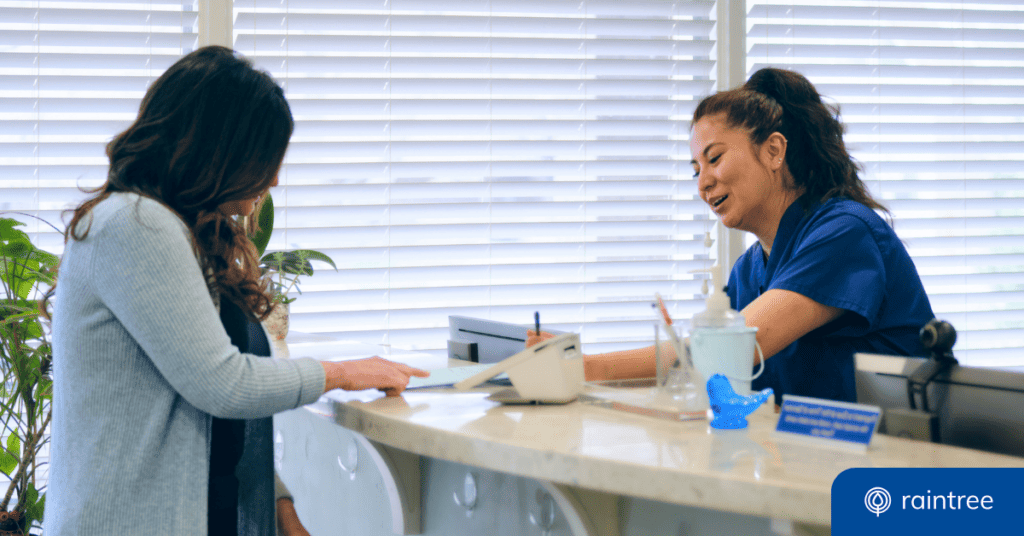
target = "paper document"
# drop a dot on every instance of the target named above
(451, 375)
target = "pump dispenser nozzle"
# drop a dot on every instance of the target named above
(718, 312)
(718, 300)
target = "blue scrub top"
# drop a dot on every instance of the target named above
(842, 254)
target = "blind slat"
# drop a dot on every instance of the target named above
(524, 146)
(71, 76)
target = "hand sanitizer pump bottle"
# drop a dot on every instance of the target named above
(721, 342)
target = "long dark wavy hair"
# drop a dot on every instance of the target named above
(776, 100)
(211, 129)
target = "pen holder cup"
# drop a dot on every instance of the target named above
(668, 348)
(553, 374)
(680, 384)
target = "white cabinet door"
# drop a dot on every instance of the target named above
(465, 500)
(338, 489)
(344, 484)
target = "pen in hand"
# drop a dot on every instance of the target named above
(536, 322)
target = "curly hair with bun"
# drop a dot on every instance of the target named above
(777, 100)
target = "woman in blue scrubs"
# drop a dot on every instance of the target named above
(827, 276)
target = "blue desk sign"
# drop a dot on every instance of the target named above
(827, 423)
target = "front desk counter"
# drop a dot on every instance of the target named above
(438, 462)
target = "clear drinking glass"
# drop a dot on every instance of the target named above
(679, 384)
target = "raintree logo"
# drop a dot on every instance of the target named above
(898, 501)
(877, 500)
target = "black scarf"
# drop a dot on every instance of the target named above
(241, 489)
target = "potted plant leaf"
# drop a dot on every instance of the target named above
(282, 267)
(26, 391)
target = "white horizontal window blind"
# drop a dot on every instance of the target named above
(72, 75)
(488, 158)
(931, 93)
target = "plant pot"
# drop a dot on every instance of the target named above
(277, 322)
(10, 523)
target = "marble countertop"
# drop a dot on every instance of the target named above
(747, 471)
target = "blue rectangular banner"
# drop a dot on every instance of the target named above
(931, 501)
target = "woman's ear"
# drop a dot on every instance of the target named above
(773, 151)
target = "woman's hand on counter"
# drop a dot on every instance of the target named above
(370, 373)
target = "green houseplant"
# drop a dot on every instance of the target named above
(283, 268)
(25, 358)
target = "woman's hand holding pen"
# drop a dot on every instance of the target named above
(623, 364)
(370, 373)
(535, 335)
(532, 337)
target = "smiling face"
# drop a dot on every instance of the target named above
(742, 183)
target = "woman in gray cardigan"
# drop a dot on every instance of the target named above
(142, 362)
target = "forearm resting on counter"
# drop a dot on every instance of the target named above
(624, 364)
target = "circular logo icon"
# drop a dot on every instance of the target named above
(877, 500)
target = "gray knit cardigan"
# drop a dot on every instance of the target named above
(141, 362)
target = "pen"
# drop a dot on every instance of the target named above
(536, 322)
(668, 322)
(664, 311)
